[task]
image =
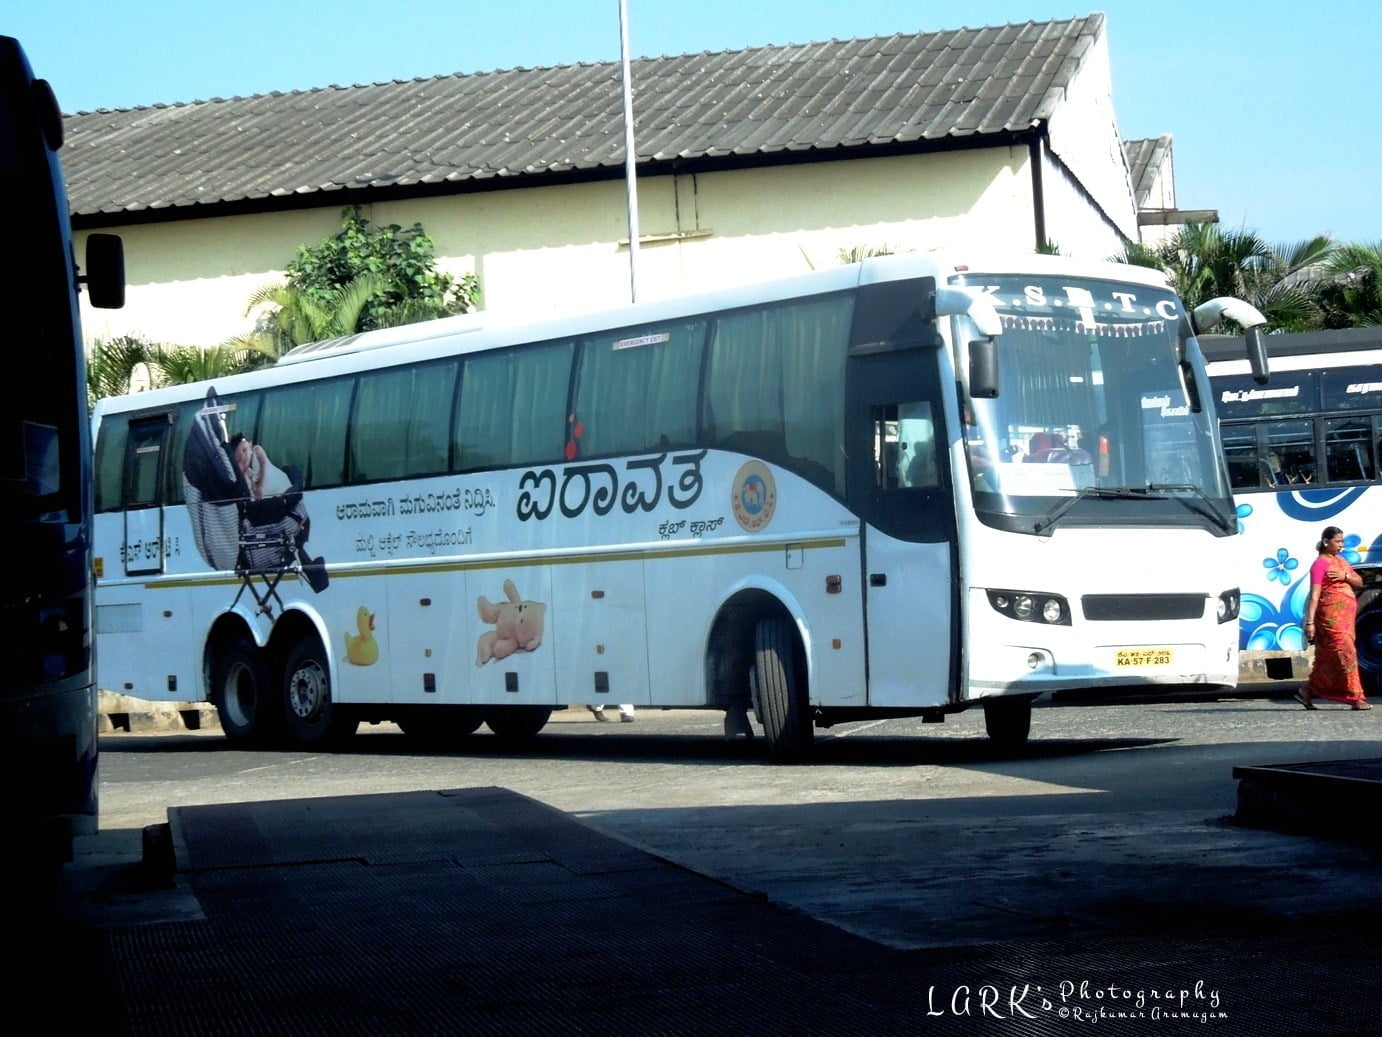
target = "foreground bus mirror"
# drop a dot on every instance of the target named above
(983, 352)
(983, 368)
(1257, 356)
(105, 271)
(967, 302)
(1246, 316)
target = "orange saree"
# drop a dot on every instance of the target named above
(1334, 675)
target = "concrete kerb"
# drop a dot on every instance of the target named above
(128, 715)
(125, 714)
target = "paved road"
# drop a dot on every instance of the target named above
(913, 835)
(916, 865)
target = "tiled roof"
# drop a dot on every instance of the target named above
(761, 104)
(1145, 160)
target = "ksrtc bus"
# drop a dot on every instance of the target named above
(48, 743)
(900, 487)
(1303, 453)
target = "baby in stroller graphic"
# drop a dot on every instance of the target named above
(247, 514)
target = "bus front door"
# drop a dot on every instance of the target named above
(145, 455)
(901, 489)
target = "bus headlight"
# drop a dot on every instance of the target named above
(1228, 605)
(1031, 606)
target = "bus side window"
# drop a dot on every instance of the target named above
(1349, 450)
(917, 432)
(110, 463)
(1293, 442)
(144, 459)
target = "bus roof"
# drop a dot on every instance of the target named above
(1303, 343)
(487, 329)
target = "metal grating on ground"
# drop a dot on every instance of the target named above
(578, 934)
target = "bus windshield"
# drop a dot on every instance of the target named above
(1102, 402)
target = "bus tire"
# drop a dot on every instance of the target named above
(517, 723)
(1008, 722)
(780, 692)
(314, 719)
(241, 693)
(439, 727)
(1368, 641)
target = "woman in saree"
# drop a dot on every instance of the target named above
(1331, 614)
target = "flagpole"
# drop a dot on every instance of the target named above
(630, 180)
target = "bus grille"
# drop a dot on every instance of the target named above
(1098, 607)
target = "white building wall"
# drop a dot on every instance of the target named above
(552, 248)
(1084, 137)
(1074, 226)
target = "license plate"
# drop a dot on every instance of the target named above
(1127, 658)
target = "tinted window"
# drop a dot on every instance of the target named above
(636, 390)
(511, 409)
(775, 386)
(402, 422)
(304, 427)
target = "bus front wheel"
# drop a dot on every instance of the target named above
(779, 690)
(1008, 722)
(240, 691)
(314, 719)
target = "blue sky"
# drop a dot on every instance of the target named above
(1273, 106)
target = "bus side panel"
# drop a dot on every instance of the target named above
(909, 621)
(150, 642)
(416, 656)
(835, 623)
(599, 632)
(509, 631)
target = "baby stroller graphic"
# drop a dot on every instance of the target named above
(262, 538)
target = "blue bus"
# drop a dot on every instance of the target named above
(48, 743)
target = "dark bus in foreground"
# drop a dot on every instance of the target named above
(48, 747)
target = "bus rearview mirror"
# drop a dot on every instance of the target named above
(105, 271)
(983, 368)
(1257, 355)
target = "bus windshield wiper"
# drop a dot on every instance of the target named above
(1207, 509)
(1102, 492)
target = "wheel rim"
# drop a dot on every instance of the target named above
(307, 690)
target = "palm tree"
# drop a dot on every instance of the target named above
(301, 318)
(1204, 262)
(1350, 293)
(113, 361)
(182, 364)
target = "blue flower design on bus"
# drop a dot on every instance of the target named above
(1242, 512)
(1280, 567)
(1265, 625)
(1352, 541)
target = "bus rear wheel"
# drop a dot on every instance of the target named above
(1008, 722)
(1368, 641)
(517, 723)
(779, 691)
(314, 719)
(241, 693)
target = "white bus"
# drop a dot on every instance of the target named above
(897, 488)
(1303, 452)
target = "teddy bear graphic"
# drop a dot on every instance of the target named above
(517, 626)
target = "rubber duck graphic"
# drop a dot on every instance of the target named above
(362, 649)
